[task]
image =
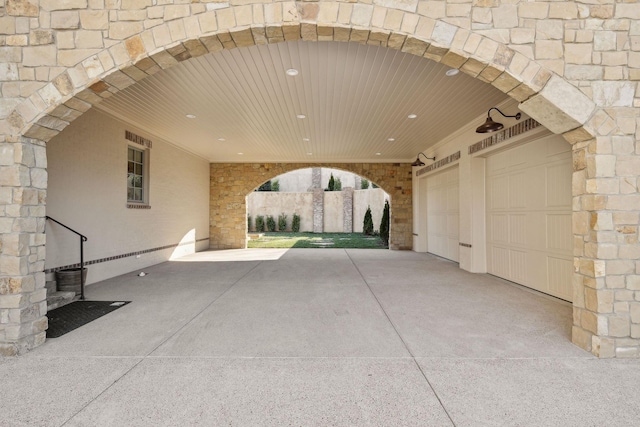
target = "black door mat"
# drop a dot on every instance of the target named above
(72, 316)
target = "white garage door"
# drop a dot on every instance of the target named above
(443, 213)
(529, 216)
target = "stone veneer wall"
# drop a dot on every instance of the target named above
(574, 66)
(231, 182)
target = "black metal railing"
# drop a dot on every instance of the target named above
(83, 239)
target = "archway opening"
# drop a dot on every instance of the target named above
(318, 207)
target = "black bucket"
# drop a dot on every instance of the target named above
(68, 280)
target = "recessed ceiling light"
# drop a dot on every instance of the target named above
(308, 154)
(306, 139)
(221, 139)
(240, 154)
(292, 72)
(378, 154)
(391, 139)
(452, 72)
(301, 116)
(190, 116)
(412, 116)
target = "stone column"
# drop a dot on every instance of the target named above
(316, 178)
(347, 210)
(318, 210)
(23, 305)
(607, 264)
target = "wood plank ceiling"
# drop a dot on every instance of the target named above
(356, 98)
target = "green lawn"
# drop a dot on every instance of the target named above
(317, 240)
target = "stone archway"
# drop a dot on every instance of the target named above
(228, 204)
(68, 56)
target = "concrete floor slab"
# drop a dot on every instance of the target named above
(493, 319)
(268, 392)
(47, 391)
(162, 302)
(204, 338)
(571, 392)
(293, 318)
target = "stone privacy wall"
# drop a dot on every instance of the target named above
(232, 182)
(340, 207)
(574, 66)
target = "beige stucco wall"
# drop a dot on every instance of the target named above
(269, 203)
(299, 181)
(87, 191)
(333, 214)
(373, 197)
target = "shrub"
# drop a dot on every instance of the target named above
(282, 222)
(271, 224)
(367, 225)
(265, 187)
(295, 223)
(332, 183)
(248, 222)
(337, 186)
(275, 185)
(373, 185)
(384, 224)
(259, 223)
(364, 184)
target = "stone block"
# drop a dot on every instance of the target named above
(633, 282)
(604, 40)
(65, 20)
(614, 94)
(37, 56)
(603, 347)
(22, 8)
(123, 30)
(634, 312)
(40, 37)
(94, 19)
(560, 106)
(619, 326)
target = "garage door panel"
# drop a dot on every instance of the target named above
(559, 271)
(499, 230)
(517, 197)
(529, 234)
(559, 236)
(499, 261)
(518, 266)
(443, 214)
(498, 187)
(453, 225)
(558, 181)
(518, 230)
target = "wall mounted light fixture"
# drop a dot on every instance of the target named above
(419, 162)
(490, 125)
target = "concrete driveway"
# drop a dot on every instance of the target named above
(318, 337)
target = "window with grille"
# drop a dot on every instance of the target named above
(135, 176)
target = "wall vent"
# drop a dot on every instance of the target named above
(503, 135)
(449, 159)
(137, 139)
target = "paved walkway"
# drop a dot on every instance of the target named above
(318, 337)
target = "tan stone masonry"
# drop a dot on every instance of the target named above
(574, 66)
(232, 182)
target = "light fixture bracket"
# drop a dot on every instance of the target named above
(419, 162)
(490, 125)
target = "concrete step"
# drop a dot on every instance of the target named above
(52, 286)
(59, 299)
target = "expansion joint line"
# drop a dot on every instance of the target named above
(161, 343)
(404, 343)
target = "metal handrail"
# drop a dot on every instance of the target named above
(83, 239)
